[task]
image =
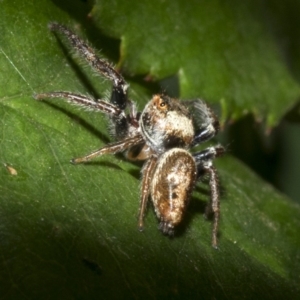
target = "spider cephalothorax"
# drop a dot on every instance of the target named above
(161, 135)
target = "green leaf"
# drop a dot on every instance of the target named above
(220, 51)
(71, 231)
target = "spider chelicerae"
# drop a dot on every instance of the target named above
(161, 135)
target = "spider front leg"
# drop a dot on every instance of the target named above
(119, 95)
(101, 106)
(84, 101)
(204, 166)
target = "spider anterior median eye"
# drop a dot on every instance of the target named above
(163, 105)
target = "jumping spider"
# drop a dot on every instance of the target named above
(161, 134)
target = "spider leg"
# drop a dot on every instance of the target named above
(204, 166)
(147, 172)
(83, 101)
(206, 156)
(119, 99)
(214, 205)
(111, 149)
(209, 123)
(119, 94)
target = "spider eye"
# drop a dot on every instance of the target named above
(162, 104)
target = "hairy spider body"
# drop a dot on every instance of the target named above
(166, 123)
(161, 135)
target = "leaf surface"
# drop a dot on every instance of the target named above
(71, 231)
(224, 52)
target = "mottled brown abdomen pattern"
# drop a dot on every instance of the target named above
(173, 182)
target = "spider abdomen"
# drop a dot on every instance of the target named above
(173, 182)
